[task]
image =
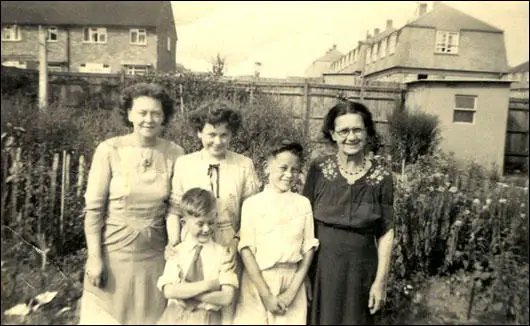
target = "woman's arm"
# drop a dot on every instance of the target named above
(384, 254)
(184, 290)
(96, 202)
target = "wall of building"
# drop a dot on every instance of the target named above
(166, 59)
(482, 141)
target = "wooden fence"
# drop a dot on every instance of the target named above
(41, 195)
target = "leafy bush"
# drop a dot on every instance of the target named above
(412, 134)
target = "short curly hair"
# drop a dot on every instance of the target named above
(214, 113)
(346, 106)
(286, 145)
(155, 91)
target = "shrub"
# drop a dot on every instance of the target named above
(412, 134)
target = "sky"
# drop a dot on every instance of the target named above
(287, 36)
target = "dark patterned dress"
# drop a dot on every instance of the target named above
(348, 220)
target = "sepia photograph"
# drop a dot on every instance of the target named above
(264, 162)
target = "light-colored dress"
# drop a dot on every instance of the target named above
(278, 229)
(216, 262)
(236, 181)
(127, 200)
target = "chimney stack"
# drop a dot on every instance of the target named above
(368, 36)
(376, 31)
(388, 24)
(422, 8)
(435, 3)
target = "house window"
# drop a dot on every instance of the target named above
(375, 49)
(15, 63)
(53, 66)
(92, 67)
(392, 42)
(169, 44)
(368, 55)
(382, 49)
(11, 33)
(465, 108)
(138, 36)
(136, 69)
(446, 42)
(51, 36)
(95, 35)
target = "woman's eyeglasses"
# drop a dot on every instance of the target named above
(346, 131)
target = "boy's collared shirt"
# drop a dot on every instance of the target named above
(216, 261)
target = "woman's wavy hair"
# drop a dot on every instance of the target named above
(152, 90)
(214, 113)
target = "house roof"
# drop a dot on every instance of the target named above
(443, 16)
(330, 56)
(109, 13)
(523, 67)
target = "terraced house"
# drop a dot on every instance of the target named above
(91, 36)
(437, 44)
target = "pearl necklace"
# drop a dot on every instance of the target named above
(357, 172)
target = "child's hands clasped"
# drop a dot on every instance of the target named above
(274, 305)
(287, 297)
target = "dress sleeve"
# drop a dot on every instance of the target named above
(310, 182)
(177, 190)
(309, 241)
(387, 205)
(227, 273)
(248, 228)
(251, 182)
(97, 192)
(172, 273)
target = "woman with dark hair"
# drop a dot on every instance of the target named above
(229, 175)
(352, 200)
(126, 201)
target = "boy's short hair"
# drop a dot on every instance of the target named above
(286, 146)
(197, 202)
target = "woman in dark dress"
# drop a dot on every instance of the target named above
(352, 199)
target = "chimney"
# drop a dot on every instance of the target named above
(388, 24)
(435, 3)
(376, 31)
(368, 36)
(422, 8)
(334, 47)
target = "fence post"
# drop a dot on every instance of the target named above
(15, 173)
(181, 92)
(64, 181)
(80, 175)
(53, 185)
(307, 113)
(29, 189)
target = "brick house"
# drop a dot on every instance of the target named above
(91, 36)
(322, 64)
(437, 44)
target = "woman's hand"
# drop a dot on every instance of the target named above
(377, 297)
(287, 297)
(95, 271)
(274, 305)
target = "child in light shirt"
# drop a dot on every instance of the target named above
(277, 245)
(199, 278)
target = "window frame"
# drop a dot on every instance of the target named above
(443, 45)
(52, 30)
(131, 69)
(139, 32)
(382, 48)
(168, 44)
(392, 43)
(104, 68)
(463, 109)
(13, 30)
(99, 31)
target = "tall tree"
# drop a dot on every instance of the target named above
(218, 66)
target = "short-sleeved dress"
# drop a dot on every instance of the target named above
(127, 198)
(216, 262)
(278, 229)
(348, 219)
(231, 180)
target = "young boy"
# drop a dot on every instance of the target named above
(199, 278)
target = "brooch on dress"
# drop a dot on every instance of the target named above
(377, 175)
(329, 169)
